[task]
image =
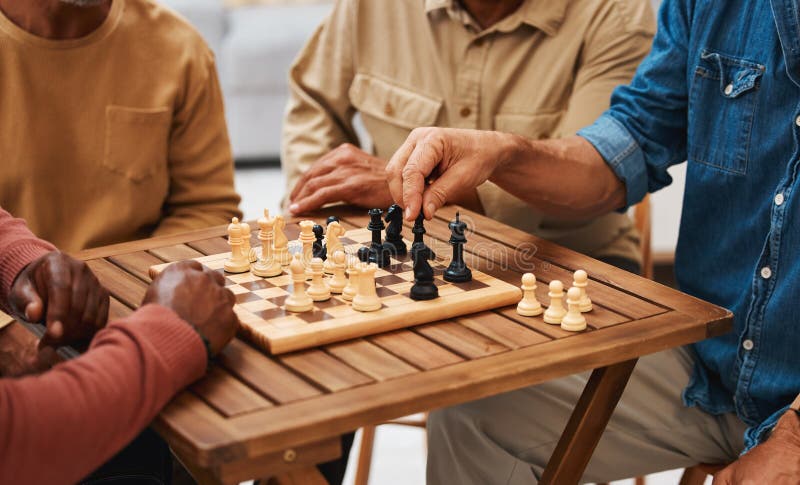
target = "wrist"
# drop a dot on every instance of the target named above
(206, 344)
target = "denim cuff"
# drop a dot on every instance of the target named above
(756, 435)
(622, 153)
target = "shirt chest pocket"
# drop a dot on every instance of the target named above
(389, 111)
(723, 101)
(136, 141)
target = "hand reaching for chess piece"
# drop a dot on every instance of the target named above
(198, 295)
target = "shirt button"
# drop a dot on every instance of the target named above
(728, 89)
(747, 344)
(465, 111)
(766, 273)
(797, 121)
(779, 199)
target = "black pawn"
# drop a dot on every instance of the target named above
(394, 239)
(363, 255)
(331, 219)
(424, 288)
(317, 249)
(419, 232)
(457, 272)
(377, 253)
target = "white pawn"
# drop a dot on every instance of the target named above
(318, 290)
(581, 281)
(555, 312)
(298, 301)
(246, 249)
(350, 290)
(529, 306)
(267, 266)
(239, 261)
(366, 300)
(281, 243)
(338, 281)
(574, 321)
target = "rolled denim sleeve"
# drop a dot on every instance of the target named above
(644, 131)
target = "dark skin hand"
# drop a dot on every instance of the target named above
(64, 294)
(198, 295)
(345, 174)
(776, 461)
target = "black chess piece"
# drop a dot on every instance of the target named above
(394, 239)
(419, 232)
(424, 288)
(317, 249)
(457, 272)
(331, 219)
(363, 254)
(377, 253)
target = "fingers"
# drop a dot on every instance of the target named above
(215, 276)
(320, 197)
(53, 335)
(25, 300)
(394, 171)
(423, 159)
(439, 192)
(56, 278)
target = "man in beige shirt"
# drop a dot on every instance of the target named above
(112, 125)
(542, 69)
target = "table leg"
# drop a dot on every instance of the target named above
(306, 476)
(587, 423)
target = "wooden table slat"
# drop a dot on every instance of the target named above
(415, 349)
(175, 252)
(460, 339)
(370, 359)
(502, 330)
(323, 369)
(214, 245)
(227, 395)
(537, 323)
(137, 263)
(127, 288)
(117, 309)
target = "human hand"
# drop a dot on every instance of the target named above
(19, 360)
(456, 160)
(345, 174)
(777, 460)
(198, 295)
(63, 293)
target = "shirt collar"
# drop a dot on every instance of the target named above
(546, 15)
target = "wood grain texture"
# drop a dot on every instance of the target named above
(175, 252)
(371, 359)
(228, 395)
(326, 371)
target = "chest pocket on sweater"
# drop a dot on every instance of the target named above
(722, 104)
(389, 111)
(136, 141)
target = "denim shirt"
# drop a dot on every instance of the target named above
(721, 89)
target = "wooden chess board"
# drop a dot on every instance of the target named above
(259, 302)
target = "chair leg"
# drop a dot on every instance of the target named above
(365, 455)
(639, 481)
(693, 476)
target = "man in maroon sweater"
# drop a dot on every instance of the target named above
(79, 414)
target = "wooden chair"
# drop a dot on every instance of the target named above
(642, 221)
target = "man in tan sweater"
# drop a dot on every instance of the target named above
(112, 125)
(541, 69)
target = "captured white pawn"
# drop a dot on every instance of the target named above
(366, 300)
(338, 281)
(556, 311)
(318, 290)
(529, 306)
(350, 290)
(581, 281)
(574, 321)
(298, 301)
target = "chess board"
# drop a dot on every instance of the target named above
(259, 302)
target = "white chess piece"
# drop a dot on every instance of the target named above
(246, 249)
(280, 245)
(556, 311)
(574, 321)
(307, 239)
(338, 281)
(318, 290)
(581, 281)
(529, 306)
(238, 262)
(350, 290)
(332, 243)
(267, 266)
(366, 300)
(298, 301)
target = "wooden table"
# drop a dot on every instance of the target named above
(256, 415)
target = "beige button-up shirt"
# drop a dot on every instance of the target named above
(544, 71)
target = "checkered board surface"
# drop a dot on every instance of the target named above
(259, 302)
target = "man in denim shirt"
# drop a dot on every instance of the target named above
(721, 90)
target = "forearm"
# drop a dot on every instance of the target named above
(564, 178)
(82, 412)
(18, 247)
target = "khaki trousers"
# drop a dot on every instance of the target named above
(508, 439)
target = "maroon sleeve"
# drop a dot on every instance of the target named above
(59, 426)
(18, 247)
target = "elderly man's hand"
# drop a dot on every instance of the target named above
(776, 461)
(346, 174)
(63, 293)
(198, 295)
(454, 160)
